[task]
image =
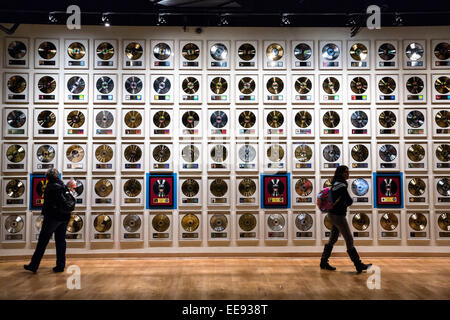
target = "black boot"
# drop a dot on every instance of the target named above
(324, 260)
(58, 269)
(29, 268)
(354, 256)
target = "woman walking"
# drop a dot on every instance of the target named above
(337, 215)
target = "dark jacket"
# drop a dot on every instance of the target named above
(341, 198)
(52, 196)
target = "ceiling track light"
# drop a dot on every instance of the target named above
(106, 20)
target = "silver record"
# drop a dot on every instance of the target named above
(104, 119)
(78, 189)
(303, 221)
(190, 153)
(219, 52)
(247, 153)
(414, 51)
(132, 223)
(359, 119)
(443, 187)
(388, 152)
(16, 118)
(105, 85)
(330, 52)
(360, 187)
(133, 85)
(219, 222)
(76, 85)
(45, 153)
(14, 224)
(415, 119)
(219, 119)
(276, 222)
(162, 51)
(161, 85)
(219, 153)
(331, 153)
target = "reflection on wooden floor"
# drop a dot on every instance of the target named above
(228, 278)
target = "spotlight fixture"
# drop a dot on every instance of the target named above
(52, 17)
(161, 20)
(285, 20)
(223, 20)
(106, 20)
(398, 20)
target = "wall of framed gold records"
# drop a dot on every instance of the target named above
(208, 116)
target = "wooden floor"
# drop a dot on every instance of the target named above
(228, 278)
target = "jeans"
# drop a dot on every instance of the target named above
(50, 226)
(340, 225)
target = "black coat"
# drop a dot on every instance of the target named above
(341, 198)
(52, 196)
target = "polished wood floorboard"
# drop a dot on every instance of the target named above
(228, 278)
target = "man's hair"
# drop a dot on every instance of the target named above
(52, 174)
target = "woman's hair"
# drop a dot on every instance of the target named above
(339, 173)
(52, 174)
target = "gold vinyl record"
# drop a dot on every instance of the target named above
(17, 84)
(46, 119)
(15, 153)
(219, 153)
(331, 85)
(40, 187)
(387, 51)
(246, 51)
(327, 183)
(161, 222)
(161, 153)
(104, 119)
(275, 119)
(103, 187)
(303, 119)
(303, 187)
(105, 51)
(442, 84)
(360, 152)
(104, 153)
(275, 85)
(417, 221)
(275, 153)
(190, 187)
(132, 222)
(161, 119)
(190, 51)
(416, 187)
(303, 85)
(134, 51)
(17, 49)
(75, 223)
(276, 222)
(443, 152)
(218, 187)
(133, 153)
(327, 222)
(443, 187)
(247, 119)
(132, 188)
(247, 187)
(331, 119)
(358, 52)
(303, 221)
(303, 153)
(47, 50)
(218, 85)
(76, 50)
(218, 222)
(442, 118)
(190, 153)
(246, 85)
(190, 119)
(133, 119)
(45, 153)
(75, 153)
(247, 222)
(274, 52)
(387, 119)
(444, 222)
(389, 221)
(416, 153)
(358, 85)
(14, 224)
(414, 85)
(47, 84)
(15, 188)
(190, 222)
(442, 51)
(75, 118)
(387, 85)
(190, 85)
(361, 221)
(102, 223)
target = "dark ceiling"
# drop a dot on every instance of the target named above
(259, 13)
